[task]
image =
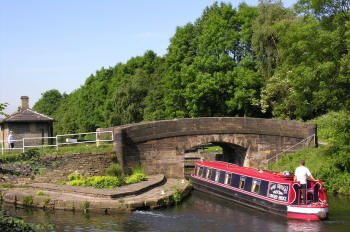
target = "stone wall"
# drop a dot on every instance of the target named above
(160, 146)
(86, 164)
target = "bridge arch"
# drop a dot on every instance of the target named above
(160, 146)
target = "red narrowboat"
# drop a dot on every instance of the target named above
(262, 189)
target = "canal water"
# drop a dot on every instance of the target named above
(198, 212)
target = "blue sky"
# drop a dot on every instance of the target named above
(57, 44)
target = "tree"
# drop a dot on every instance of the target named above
(266, 35)
(2, 108)
(201, 59)
(49, 102)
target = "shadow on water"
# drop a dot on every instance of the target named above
(199, 212)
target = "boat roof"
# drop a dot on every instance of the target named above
(252, 172)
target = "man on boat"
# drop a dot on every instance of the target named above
(300, 174)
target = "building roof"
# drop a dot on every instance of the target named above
(27, 115)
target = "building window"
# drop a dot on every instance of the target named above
(208, 174)
(256, 186)
(228, 178)
(242, 182)
(217, 175)
(199, 171)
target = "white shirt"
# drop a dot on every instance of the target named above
(10, 138)
(302, 173)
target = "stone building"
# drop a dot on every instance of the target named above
(25, 123)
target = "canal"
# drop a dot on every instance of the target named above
(198, 212)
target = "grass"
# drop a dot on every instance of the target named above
(14, 156)
(330, 163)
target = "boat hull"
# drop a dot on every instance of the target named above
(313, 213)
(238, 197)
(306, 212)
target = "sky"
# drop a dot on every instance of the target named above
(57, 44)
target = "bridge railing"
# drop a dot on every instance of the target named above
(303, 142)
(60, 140)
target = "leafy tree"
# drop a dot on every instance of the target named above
(271, 20)
(2, 107)
(49, 102)
(201, 60)
(309, 82)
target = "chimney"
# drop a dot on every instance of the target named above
(24, 103)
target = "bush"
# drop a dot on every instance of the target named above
(77, 182)
(334, 127)
(94, 181)
(137, 175)
(75, 176)
(330, 163)
(103, 181)
(27, 155)
(114, 170)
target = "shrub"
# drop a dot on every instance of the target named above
(134, 178)
(29, 154)
(138, 175)
(28, 201)
(102, 181)
(40, 193)
(75, 176)
(75, 179)
(176, 195)
(114, 170)
(80, 182)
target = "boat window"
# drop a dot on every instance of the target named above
(242, 182)
(217, 175)
(228, 178)
(199, 171)
(256, 186)
(208, 174)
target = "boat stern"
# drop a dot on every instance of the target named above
(307, 212)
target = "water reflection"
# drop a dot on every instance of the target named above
(303, 226)
(198, 213)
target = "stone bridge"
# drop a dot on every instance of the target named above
(160, 146)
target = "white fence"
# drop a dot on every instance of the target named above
(60, 140)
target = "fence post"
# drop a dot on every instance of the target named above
(56, 142)
(97, 142)
(23, 145)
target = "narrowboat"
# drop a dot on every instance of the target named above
(261, 189)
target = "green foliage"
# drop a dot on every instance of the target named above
(49, 102)
(334, 127)
(102, 181)
(30, 154)
(94, 181)
(46, 201)
(138, 175)
(75, 176)
(39, 193)
(111, 181)
(114, 170)
(330, 163)
(44, 152)
(2, 107)
(176, 195)
(8, 224)
(86, 206)
(28, 200)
